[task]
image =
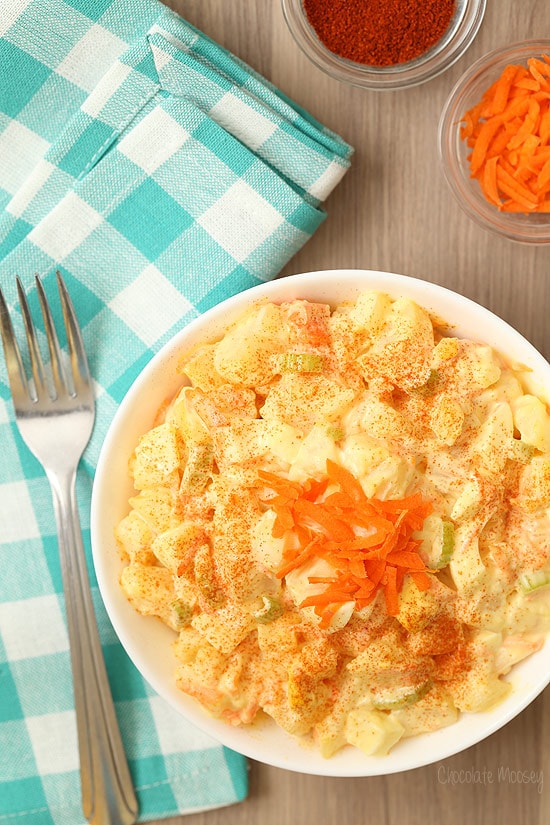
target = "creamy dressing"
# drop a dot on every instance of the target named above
(222, 555)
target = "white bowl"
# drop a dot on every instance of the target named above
(148, 642)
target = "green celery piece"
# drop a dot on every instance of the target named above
(529, 582)
(301, 362)
(271, 610)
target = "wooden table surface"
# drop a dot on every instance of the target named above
(393, 211)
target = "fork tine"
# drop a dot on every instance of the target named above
(37, 367)
(58, 373)
(75, 344)
(14, 364)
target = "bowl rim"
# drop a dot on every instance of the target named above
(511, 225)
(283, 750)
(400, 76)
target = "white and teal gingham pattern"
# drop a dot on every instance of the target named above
(159, 174)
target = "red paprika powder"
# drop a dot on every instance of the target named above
(379, 32)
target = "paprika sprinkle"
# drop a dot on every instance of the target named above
(379, 32)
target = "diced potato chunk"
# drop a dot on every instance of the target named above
(200, 369)
(225, 628)
(478, 686)
(533, 422)
(370, 310)
(316, 661)
(419, 607)
(303, 400)
(134, 537)
(150, 590)
(492, 444)
(445, 350)
(466, 566)
(434, 711)
(185, 418)
(476, 368)
(175, 547)
(447, 419)
(240, 441)
(402, 351)
(267, 549)
(156, 457)
(311, 459)
(245, 355)
(381, 420)
(534, 487)
(373, 731)
(158, 507)
(361, 453)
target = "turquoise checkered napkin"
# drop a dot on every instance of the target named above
(160, 174)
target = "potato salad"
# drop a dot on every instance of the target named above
(343, 515)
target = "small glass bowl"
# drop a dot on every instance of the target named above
(532, 227)
(461, 32)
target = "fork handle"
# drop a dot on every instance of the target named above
(108, 796)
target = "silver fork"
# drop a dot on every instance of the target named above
(55, 412)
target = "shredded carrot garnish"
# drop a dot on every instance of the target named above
(368, 542)
(508, 132)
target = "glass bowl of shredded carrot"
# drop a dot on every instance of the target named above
(321, 523)
(494, 141)
(383, 44)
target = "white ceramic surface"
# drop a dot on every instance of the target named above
(148, 642)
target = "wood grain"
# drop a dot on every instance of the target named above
(393, 211)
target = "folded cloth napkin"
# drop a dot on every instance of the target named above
(160, 174)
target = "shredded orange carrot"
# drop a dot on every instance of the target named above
(390, 590)
(508, 132)
(368, 542)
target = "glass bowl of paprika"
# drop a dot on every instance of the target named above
(392, 44)
(494, 141)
